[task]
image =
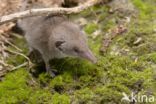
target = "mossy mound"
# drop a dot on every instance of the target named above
(127, 66)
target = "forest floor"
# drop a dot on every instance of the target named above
(124, 41)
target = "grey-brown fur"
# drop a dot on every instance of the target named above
(55, 37)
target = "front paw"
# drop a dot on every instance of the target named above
(52, 74)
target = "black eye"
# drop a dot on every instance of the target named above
(76, 50)
(58, 44)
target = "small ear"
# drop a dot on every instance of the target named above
(59, 43)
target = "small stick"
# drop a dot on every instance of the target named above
(20, 50)
(19, 66)
(14, 52)
(46, 11)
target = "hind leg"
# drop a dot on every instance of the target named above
(35, 55)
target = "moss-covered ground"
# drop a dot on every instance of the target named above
(126, 66)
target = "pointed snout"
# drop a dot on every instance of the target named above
(89, 56)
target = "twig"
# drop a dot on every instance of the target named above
(12, 68)
(19, 66)
(3, 63)
(6, 41)
(3, 47)
(14, 52)
(20, 50)
(46, 11)
(17, 35)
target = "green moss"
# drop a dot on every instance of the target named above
(149, 57)
(14, 88)
(145, 8)
(106, 95)
(40, 96)
(57, 82)
(79, 81)
(84, 95)
(60, 99)
(67, 77)
(85, 78)
(44, 78)
(90, 28)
